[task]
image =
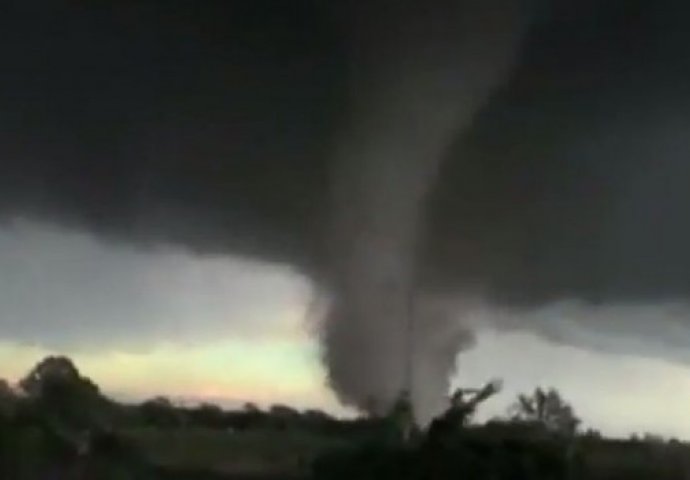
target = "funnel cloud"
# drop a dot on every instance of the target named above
(420, 75)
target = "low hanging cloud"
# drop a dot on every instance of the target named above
(61, 289)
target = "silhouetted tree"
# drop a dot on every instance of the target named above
(400, 419)
(321, 422)
(8, 400)
(547, 409)
(208, 415)
(653, 439)
(56, 392)
(463, 404)
(161, 413)
(592, 434)
(284, 411)
(283, 417)
(250, 417)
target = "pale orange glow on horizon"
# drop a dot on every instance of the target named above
(231, 372)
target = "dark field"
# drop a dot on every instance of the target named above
(165, 474)
(252, 454)
(266, 455)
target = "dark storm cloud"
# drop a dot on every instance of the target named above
(212, 125)
(209, 124)
(577, 184)
(203, 124)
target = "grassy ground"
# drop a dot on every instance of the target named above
(253, 453)
(620, 460)
(201, 454)
(196, 475)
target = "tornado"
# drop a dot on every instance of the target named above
(420, 71)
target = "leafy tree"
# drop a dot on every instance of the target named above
(250, 417)
(463, 404)
(49, 372)
(56, 392)
(547, 409)
(592, 434)
(283, 411)
(653, 439)
(208, 415)
(283, 417)
(8, 400)
(318, 421)
(401, 419)
(160, 412)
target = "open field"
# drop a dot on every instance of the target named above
(166, 474)
(247, 454)
(202, 454)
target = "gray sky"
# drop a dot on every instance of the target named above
(62, 288)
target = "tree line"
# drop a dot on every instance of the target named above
(56, 419)
(57, 392)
